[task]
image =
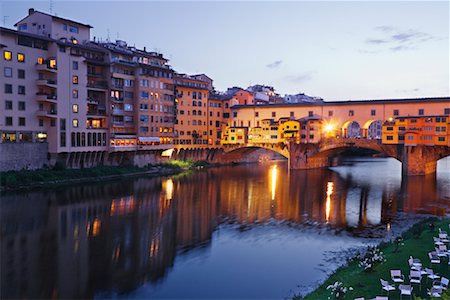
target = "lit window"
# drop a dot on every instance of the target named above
(52, 63)
(20, 57)
(75, 94)
(7, 55)
(75, 110)
(75, 79)
(75, 122)
(40, 60)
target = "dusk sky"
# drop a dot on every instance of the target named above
(335, 50)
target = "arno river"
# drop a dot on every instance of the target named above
(251, 231)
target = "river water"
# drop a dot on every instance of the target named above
(250, 231)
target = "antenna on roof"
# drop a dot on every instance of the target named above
(4, 20)
(51, 7)
(107, 38)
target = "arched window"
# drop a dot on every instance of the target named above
(194, 103)
(194, 122)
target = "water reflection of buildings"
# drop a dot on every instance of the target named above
(77, 241)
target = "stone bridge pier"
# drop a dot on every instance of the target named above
(421, 160)
(416, 160)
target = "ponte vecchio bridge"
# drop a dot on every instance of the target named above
(354, 122)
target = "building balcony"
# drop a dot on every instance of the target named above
(117, 112)
(46, 68)
(97, 113)
(52, 113)
(116, 99)
(118, 123)
(97, 85)
(47, 82)
(117, 86)
(96, 75)
(43, 97)
(92, 101)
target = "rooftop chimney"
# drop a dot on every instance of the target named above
(30, 11)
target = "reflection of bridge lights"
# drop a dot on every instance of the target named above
(273, 177)
(330, 188)
(388, 227)
(168, 188)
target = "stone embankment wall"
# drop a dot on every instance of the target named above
(31, 156)
(19, 156)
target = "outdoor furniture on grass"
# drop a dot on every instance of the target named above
(434, 258)
(443, 283)
(435, 292)
(431, 275)
(397, 276)
(414, 263)
(405, 290)
(415, 277)
(386, 286)
(437, 241)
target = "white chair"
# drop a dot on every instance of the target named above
(441, 253)
(405, 290)
(381, 298)
(415, 277)
(435, 292)
(414, 263)
(443, 283)
(434, 258)
(437, 241)
(443, 248)
(386, 286)
(397, 276)
(443, 236)
(431, 275)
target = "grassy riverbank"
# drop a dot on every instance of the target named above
(27, 178)
(417, 242)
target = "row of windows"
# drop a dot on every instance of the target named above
(195, 142)
(21, 105)
(8, 72)
(7, 55)
(162, 108)
(351, 113)
(9, 121)
(145, 129)
(195, 95)
(412, 138)
(145, 119)
(81, 139)
(9, 89)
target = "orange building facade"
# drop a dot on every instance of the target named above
(418, 130)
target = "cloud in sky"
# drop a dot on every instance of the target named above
(300, 78)
(275, 64)
(397, 40)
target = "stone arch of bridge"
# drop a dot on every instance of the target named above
(279, 148)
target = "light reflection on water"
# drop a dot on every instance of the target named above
(234, 232)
